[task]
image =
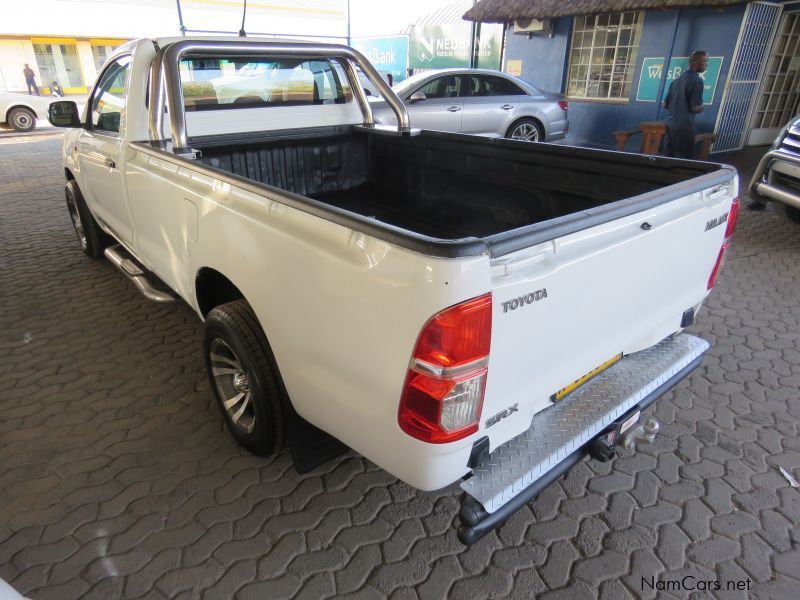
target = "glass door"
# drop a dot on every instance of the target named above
(59, 62)
(780, 88)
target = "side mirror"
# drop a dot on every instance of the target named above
(64, 113)
(417, 97)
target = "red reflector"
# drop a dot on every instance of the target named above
(563, 104)
(733, 216)
(443, 394)
(713, 279)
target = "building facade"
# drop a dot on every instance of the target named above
(67, 41)
(616, 63)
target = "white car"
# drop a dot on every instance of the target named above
(20, 111)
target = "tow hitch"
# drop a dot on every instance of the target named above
(625, 433)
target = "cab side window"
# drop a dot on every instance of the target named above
(108, 98)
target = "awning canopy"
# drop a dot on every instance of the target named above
(505, 11)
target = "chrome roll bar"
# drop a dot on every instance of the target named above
(166, 89)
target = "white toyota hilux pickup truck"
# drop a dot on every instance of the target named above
(454, 308)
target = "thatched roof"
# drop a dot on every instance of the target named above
(504, 11)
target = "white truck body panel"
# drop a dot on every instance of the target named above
(610, 289)
(342, 310)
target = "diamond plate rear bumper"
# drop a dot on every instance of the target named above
(561, 432)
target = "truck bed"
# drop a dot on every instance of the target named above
(455, 187)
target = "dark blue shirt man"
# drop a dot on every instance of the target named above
(684, 101)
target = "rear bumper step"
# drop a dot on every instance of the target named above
(559, 437)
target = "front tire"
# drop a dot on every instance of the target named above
(22, 119)
(244, 378)
(526, 130)
(790, 212)
(91, 238)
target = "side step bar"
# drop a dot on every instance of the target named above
(561, 435)
(125, 262)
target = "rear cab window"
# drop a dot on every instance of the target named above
(219, 83)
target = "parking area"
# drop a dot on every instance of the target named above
(117, 478)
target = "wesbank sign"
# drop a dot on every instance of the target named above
(653, 71)
(387, 54)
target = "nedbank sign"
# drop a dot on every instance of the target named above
(442, 46)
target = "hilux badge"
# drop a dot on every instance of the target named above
(717, 222)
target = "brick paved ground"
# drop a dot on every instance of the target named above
(118, 480)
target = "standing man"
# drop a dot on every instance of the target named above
(30, 79)
(684, 101)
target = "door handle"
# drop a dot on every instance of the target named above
(110, 163)
(507, 107)
(453, 109)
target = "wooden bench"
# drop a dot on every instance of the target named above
(653, 133)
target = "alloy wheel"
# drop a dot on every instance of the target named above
(525, 132)
(77, 222)
(232, 385)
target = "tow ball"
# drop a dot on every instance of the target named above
(624, 433)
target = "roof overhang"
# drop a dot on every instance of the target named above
(505, 11)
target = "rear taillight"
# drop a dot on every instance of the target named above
(733, 216)
(717, 266)
(443, 393)
(563, 104)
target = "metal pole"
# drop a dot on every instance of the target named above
(180, 18)
(348, 22)
(502, 46)
(665, 68)
(242, 32)
(472, 41)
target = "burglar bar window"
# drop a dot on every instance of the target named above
(603, 55)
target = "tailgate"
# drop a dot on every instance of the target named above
(564, 307)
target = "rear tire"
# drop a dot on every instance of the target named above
(244, 378)
(22, 119)
(526, 130)
(90, 237)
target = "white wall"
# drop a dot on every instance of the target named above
(13, 56)
(153, 18)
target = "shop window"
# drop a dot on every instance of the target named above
(101, 52)
(59, 63)
(603, 55)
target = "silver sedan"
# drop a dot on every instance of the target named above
(479, 102)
